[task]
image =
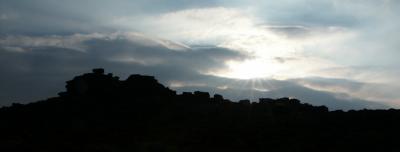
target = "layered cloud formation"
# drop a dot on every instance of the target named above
(337, 53)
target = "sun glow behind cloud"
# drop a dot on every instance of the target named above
(277, 51)
(249, 69)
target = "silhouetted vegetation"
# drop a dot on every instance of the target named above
(99, 112)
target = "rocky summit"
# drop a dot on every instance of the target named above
(98, 112)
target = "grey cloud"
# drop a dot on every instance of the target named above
(27, 61)
(291, 31)
(381, 92)
(259, 88)
(42, 70)
(77, 16)
(245, 89)
(331, 100)
(38, 17)
(341, 85)
(304, 12)
(193, 59)
(284, 59)
(3, 17)
(317, 13)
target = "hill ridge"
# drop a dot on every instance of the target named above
(99, 112)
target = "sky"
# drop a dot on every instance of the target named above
(338, 53)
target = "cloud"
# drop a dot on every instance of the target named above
(238, 29)
(290, 31)
(176, 65)
(13, 49)
(284, 59)
(197, 26)
(319, 13)
(330, 84)
(50, 60)
(48, 64)
(333, 46)
(3, 17)
(386, 93)
(255, 89)
(52, 17)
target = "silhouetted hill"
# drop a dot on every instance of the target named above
(99, 112)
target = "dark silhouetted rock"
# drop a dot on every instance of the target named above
(98, 71)
(245, 102)
(98, 112)
(218, 98)
(203, 95)
(266, 100)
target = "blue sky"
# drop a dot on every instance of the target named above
(340, 53)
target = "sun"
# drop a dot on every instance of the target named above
(249, 69)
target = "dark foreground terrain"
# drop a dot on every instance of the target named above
(100, 113)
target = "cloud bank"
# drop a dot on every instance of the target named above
(44, 63)
(342, 53)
